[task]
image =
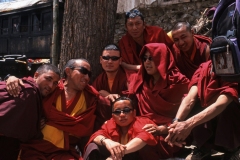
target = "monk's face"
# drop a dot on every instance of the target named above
(149, 65)
(110, 60)
(135, 27)
(79, 76)
(123, 113)
(47, 82)
(183, 39)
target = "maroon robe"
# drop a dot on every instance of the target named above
(79, 126)
(130, 55)
(184, 63)
(160, 102)
(225, 128)
(112, 131)
(20, 116)
(119, 83)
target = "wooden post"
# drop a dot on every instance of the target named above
(55, 36)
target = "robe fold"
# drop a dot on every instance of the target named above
(151, 34)
(20, 116)
(160, 102)
(225, 128)
(72, 127)
(188, 66)
(112, 131)
(119, 83)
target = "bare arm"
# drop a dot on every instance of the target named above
(134, 145)
(187, 103)
(116, 149)
(210, 112)
(130, 66)
(180, 130)
(106, 94)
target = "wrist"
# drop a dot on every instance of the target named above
(176, 120)
(102, 140)
(6, 77)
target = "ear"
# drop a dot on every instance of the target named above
(36, 75)
(120, 60)
(134, 113)
(192, 31)
(68, 71)
(100, 59)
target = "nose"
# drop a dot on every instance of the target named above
(122, 113)
(134, 26)
(110, 60)
(180, 42)
(50, 85)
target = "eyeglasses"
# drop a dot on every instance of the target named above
(124, 111)
(83, 70)
(113, 58)
(145, 59)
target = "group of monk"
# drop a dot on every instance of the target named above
(157, 93)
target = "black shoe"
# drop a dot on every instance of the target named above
(199, 154)
(232, 155)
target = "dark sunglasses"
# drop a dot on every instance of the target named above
(113, 58)
(83, 70)
(145, 59)
(124, 111)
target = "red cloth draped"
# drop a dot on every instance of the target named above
(80, 126)
(151, 34)
(209, 85)
(20, 116)
(224, 129)
(161, 102)
(184, 63)
(110, 130)
(119, 83)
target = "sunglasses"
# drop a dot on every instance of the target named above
(83, 70)
(145, 59)
(124, 111)
(113, 58)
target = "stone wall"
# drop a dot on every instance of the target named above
(166, 15)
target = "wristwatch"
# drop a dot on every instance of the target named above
(6, 77)
(176, 119)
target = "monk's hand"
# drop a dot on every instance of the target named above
(177, 133)
(13, 85)
(116, 149)
(151, 128)
(112, 97)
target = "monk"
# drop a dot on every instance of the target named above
(211, 112)
(159, 87)
(121, 137)
(112, 81)
(69, 113)
(189, 50)
(20, 116)
(138, 34)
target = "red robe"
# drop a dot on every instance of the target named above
(20, 116)
(184, 62)
(160, 102)
(129, 51)
(227, 127)
(119, 83)
(112, 131)
(79, 126)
